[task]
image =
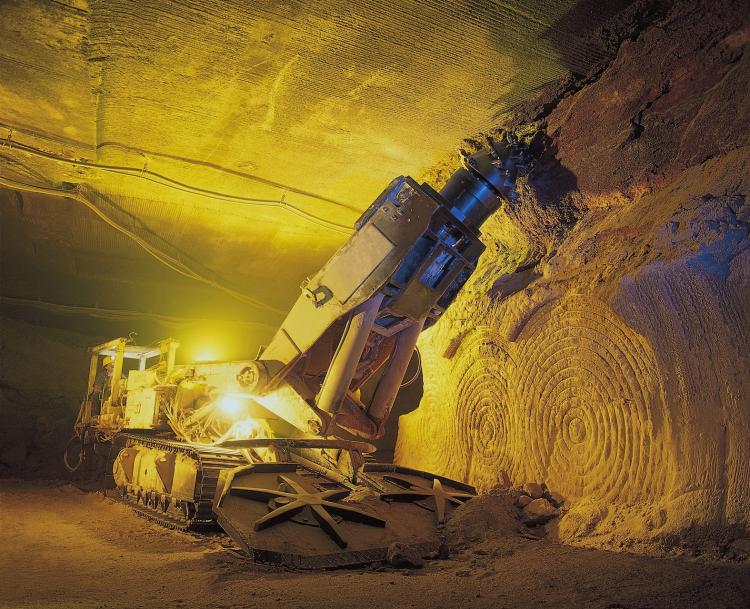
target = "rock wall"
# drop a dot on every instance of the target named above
(43, 373)
(603, 346)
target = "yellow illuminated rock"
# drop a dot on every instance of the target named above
(614, 366)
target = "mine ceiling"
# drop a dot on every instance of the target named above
(214, 154)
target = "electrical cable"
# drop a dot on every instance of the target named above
(78, 440)
(161, 179)
(416, 374)
(150, 153)
(169, 261)
(79, 437)
(169, 321)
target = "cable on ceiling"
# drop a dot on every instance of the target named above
(166, 181)
(166, 259)
(169, 321)
(173, 157)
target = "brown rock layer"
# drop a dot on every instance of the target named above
(617, 368)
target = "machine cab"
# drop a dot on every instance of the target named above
(107, 392)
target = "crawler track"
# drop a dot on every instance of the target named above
(183, 516)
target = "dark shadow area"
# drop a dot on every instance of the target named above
(572, 37)
(585, 23)
(549, 179)
(586, 38)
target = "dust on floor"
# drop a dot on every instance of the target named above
(64, 548)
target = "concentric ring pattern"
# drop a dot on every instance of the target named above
(588, 400)
(484, 422)
(575, 401)
(424, 441)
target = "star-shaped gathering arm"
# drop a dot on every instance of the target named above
(415, 492)
(321, 504)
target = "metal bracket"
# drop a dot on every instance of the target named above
(319, 295)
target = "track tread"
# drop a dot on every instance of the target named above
(211, 460)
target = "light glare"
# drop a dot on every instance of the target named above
(247, 428)
(205, 356)
(230, 404)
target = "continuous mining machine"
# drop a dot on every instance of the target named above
(275, 450)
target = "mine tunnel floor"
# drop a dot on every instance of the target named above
(64, 548)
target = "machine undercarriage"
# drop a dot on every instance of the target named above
(275, 450)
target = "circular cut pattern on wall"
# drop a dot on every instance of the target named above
(484, 423)
(423, 440)
(589, 404)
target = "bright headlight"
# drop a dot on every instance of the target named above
(230, 404)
